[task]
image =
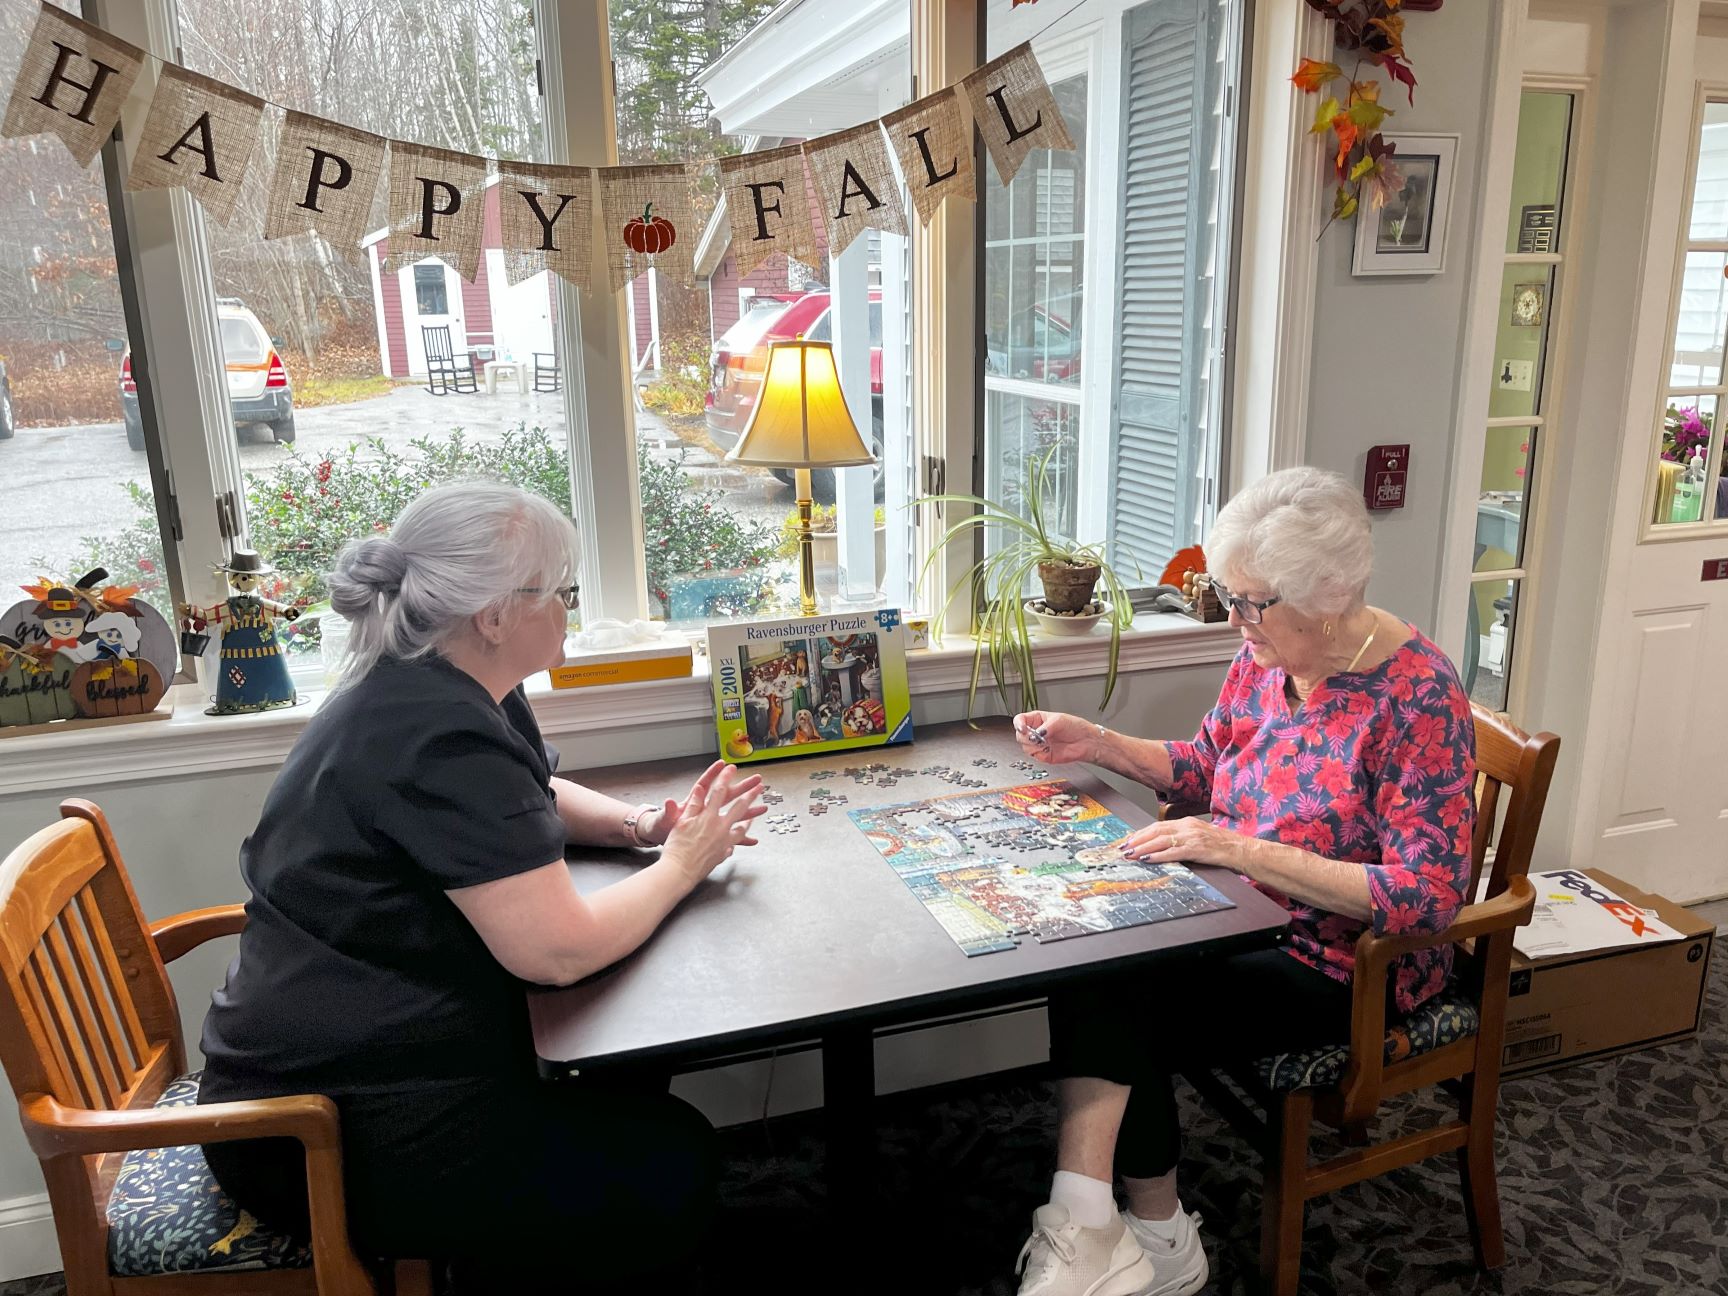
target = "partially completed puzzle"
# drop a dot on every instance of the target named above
(998, 865)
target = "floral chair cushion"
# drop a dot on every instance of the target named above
(167, 1214)
(1445, 1019)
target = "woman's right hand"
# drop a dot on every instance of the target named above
(1056, 737)
(716, 820)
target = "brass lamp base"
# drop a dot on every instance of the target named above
(806, 548)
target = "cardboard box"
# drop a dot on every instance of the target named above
(1576, 1007)
(629, 665)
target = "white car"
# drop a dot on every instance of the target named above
(258, 386)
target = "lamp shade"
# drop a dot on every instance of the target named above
(801, 419)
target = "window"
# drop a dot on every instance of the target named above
(1124, 241)
(430, 297)
(73, 492)
(1521, 426)
(718, 537)
(1688, 485)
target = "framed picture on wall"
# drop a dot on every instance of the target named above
(1407, 234)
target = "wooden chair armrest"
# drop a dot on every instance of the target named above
(186, 931)
(1374, 955)
(56, 1130)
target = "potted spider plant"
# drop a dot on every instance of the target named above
(1069, 572)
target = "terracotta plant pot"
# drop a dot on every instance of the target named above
(1067, 587)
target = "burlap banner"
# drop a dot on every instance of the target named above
(935, 151)
(649, 222)
(1014, 109)
(71, 83)
(855, 185)
(548, 220)
(768, 205)
(326, 176)
(199, 135)
(437, 199)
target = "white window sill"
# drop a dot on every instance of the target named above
(191, 743)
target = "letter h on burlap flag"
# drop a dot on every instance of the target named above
(72, 81)
(199, 135)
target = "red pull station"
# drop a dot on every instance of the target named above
(1388, 474)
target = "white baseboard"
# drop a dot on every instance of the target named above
(28, 1245)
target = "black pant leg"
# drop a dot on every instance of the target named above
(1210, 1012)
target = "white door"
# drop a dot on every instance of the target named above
(431, 296)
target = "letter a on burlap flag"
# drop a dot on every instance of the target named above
(547, 220)
(935, 150)
(199, 135)
(855, 185)
(72, 81)
(649, 222)
(768, 206)
(1014, 109)
(326, 176)
(437, 199)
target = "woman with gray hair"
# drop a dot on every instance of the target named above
(407, 879)
(1338, 775)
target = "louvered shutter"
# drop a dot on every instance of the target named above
(1159, 365)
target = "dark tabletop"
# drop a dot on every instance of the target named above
(813, 929)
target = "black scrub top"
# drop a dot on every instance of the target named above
(356, 971)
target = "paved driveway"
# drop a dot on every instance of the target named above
(60, 484)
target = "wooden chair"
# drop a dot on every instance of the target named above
(90, 1039)
(546, 378)
(447, 369)
(1454, 1042)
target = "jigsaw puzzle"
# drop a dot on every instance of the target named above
(997, 865)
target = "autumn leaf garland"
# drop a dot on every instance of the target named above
(1351, 113)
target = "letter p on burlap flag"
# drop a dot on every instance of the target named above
(437, 199)
(1014, 109)
(326, 176)
(72, 81)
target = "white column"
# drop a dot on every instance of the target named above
(849, 279)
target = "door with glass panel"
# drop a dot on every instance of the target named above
(1522, 429)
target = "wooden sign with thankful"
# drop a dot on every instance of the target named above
(200, 135)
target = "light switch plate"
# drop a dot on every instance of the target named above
(1515, 375)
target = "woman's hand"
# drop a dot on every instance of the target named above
(1056, 737)
(664, 819)
(1194, 840)
(713, 821)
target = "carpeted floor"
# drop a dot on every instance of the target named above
(1613, 1179)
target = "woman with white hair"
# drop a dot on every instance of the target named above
(407, 880)
(1338, 772)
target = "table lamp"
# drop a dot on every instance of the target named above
(801, 422)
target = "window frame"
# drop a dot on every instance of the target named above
(1650, 531)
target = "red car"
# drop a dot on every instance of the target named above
(741, 355)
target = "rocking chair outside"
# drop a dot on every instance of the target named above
(447, 369)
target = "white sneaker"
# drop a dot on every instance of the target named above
(1063, 1259)
(1181, 1265)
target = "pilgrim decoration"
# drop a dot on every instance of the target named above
(547, 220)
(1014, 109)
(649, 222)
(768, 206)
(855, 185)
(199, 135)
(325, 178)
(78, 649)
(935, 151)
(436, 201)
(251, 675)
(71, 83)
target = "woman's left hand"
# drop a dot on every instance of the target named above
(661, 822)
(1194, 840)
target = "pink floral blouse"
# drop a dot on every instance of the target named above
(1378, 767)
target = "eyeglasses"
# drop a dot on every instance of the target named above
(570, 595)
(1246, 608)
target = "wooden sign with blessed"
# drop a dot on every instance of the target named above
(78, 652)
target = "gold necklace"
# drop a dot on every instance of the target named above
(1365, 646)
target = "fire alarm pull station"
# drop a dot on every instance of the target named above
(1388, 474)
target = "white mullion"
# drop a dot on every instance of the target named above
(576, 53)
(1499, 575)
(1514, 421)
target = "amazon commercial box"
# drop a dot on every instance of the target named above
(1603, 968)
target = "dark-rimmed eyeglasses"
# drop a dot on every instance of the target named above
(570, 596)
(1248, 609)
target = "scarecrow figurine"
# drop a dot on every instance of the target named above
(62, 613)
(253, 676)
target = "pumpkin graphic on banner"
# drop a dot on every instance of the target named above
(648, 234)
(644, 208)
(82, 649)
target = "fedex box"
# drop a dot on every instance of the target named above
(1574, 1007)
